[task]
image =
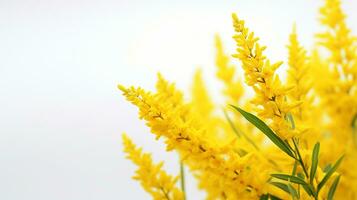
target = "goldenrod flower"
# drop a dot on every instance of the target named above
(151, 176)
(169, 117)
(338, 93)
(316, 106)
(299, 76)
(233, 88)
(342, 47)
(201, 101)
(260, 74)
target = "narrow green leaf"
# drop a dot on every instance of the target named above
(264, 197)
(294, 168)
(266, 130)
(329, 173)
(293, 192)
(286, 187)
(315, 161)
(308, 190)
(290, 178)
(333, 188)
(301, 175)
(269, 196)
(280, 185)
(272, 197)
(327, 167)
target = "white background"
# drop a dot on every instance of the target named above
(61, 116)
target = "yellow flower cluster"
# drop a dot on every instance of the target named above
(260, 74)
(339, 93)
(299, 75)
(342, 46)
(316, 106)
(201, 101)
(169, 117)
(204, 109)
(226, 73)
(151, 176)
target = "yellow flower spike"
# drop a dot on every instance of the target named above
(233, 88)
(338, 93)
(151, 176)
(260, 74)
(172, 119)
(299, 76)
(227, 156)
(200, 98)
(122, 88)
(203, 107)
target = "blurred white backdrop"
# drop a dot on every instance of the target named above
(61, 116)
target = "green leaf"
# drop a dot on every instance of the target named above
(269, 196)
(266, 130)
(301, 175)
(290, 178)
(333, 187)
(294, 168)
(293, 192)
(315, 161)
(329, 173)
(327, 167)
(280, 185)
(287, 188)
(264, 197)
(308, 190)
(272, 197)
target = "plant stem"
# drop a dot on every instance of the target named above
(300, 159)
(165, 193)
(182, 175)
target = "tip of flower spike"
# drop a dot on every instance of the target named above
(217, 40)
(294, 28)
(160, 81)
(122, 88)
(127, 143)
(159, 75)
(276, 65)
(125, 137)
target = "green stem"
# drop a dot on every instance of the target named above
(166, 194)
(182, 175)
(300, 159)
